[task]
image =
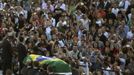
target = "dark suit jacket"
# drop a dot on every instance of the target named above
(6, 51)
(22, 52)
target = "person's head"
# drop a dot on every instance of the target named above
(123, 22)
(110, 21)
(30, 45)
(107, 43)
(99, 32)
(103, 28)
(49, 15)
(21, 39)
(95, 45)
(85, 16)
(43, 37)
(109, 10)
(10, 37)
(114, 5)
(75, 48)
(49, 2)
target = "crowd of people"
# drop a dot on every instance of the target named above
(99, 33)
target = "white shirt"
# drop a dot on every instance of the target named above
(115, 11)
(63, 23)
(1, 5)
(44, 5)
(80, 34)
(130, 35)
(78, 17)
(73, 54)
(100, 22)
(130, 16)
(85, 23)
(48, 30)
(53, 21)
(61, 44)
(127, 3)
(63, 6)
(25, 13)
(106, 34)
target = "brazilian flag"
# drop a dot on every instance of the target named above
(57, 64)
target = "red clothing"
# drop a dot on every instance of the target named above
(115, 51)
(101, 13)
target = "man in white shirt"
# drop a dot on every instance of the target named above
(48, 32)
(43, 4)
(130, 34)
(115, 10)
(53, 21)
(85, 22)
(78, 15)
(124, 4)
(47, 6)
(1, 5)
(62, 5)
(75, 53)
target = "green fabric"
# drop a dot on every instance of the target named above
(60, 67)
(27, 59)
(57, 64)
